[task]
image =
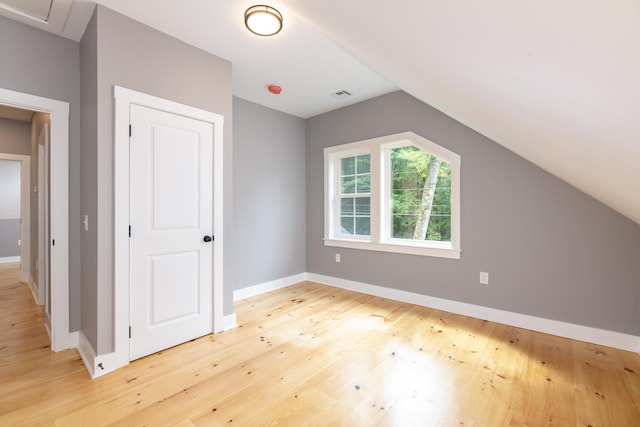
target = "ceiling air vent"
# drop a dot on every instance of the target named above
(34, 9)
(48, 15)
(341, 94)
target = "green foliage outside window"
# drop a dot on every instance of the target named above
(409, 169)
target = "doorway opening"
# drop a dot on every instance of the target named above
(57, 243)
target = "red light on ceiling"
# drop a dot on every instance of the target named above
(274, 89)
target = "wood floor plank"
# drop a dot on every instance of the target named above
(314, 355)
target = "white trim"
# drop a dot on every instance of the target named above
(228, 322)
(74, 339)
(97, 366)
(268, 286)
(59, 206)
(9, 259)
(42, 213)
(554, 327)
(123, 98)
(33, 287)
(396, 246)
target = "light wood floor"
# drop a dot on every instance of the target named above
(311, 355)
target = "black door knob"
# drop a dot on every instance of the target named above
(207, 239)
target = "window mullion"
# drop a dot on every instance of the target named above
(376, 200)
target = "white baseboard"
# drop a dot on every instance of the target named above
(48, 329)
(9, 259)
(34, 289)
(554, 327)
(74, 339)
(96, 365)
(268, 286)
(228, 322)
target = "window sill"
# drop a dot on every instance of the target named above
(443, 250)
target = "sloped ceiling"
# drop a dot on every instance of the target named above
(556, 82)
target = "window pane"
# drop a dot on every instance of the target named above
(363, 184)
(355, 216)
(346, 225)
(354, 175)
(348, 166)
(363, 206)
(363, 226)
(363, 164)
(348, 185)
(346, 206)
(420, 195)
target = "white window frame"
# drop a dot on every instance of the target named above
(379, 239)
(336, 202)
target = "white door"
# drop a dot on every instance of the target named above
(171, 200)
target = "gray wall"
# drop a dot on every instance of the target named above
(15, 135)
(9, 235)
(269, 194)
(39, 63)
(129, 54)
(15, 138)
(551, 250)
(89, 177)
(9, 208)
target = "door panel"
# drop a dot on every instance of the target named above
(171, 203)
(171, 302)
(174, 171)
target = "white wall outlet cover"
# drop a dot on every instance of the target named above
(484, 278)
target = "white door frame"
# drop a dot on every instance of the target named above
(123, 99)
(59, 205)
(43, 215)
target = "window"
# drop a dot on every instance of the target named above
(355, 196)
(398, 193)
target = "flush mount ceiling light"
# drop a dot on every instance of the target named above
(263, 20)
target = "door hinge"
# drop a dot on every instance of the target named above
(129, 231)
(129, 131)
(129, 331)
(53, 242)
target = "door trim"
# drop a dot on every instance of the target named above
(43, 218)
(123, 99)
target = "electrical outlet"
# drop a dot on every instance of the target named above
(19, 242)
(484, 278)
(337, 257)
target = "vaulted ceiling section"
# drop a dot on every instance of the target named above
(555, 82)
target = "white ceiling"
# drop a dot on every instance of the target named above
(556, 82)
(304, 63)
